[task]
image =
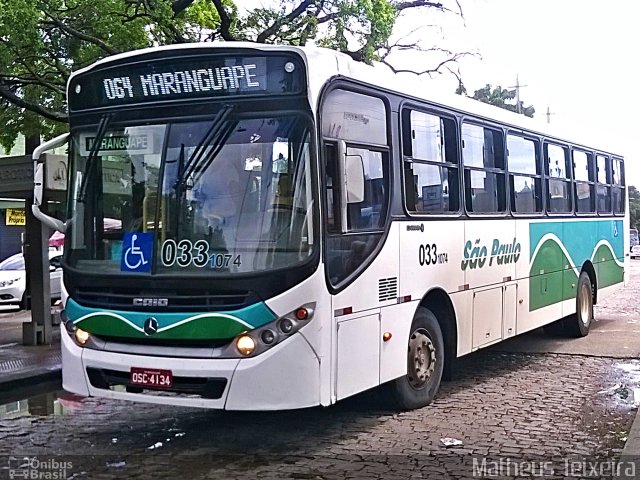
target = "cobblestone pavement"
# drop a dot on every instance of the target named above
(510, 406)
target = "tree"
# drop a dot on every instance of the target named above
(43, 41)
(499, 97)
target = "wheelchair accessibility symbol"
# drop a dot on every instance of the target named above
(137, 249)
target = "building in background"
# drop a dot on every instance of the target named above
(12, 210)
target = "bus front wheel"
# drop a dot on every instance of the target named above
(425, 362)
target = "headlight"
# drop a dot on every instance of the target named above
(82, 337)
(261, 339)
(245, 345)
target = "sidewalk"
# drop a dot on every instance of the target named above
(22, 366)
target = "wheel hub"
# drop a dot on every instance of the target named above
(585, 310)
(422, 359)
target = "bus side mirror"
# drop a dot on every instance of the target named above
(351, 178)
(38, 182)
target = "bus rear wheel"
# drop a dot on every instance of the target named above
(425, 362)
(578, 324)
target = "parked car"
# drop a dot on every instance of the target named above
(635, 251)
(13, 279)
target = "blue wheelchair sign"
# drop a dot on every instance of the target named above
(137, 251)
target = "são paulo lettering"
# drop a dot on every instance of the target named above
(476, 255)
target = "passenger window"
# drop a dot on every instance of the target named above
(525, 175)
(558, 183)
(584, 181)
(484, 169)
(365, 220)
(354, 125)
(603, 189)
(430, 163)
(617, 189)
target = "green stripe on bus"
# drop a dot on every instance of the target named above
(559, 251)
(178, 326)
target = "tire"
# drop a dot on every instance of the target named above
(578, 325)
(425, 362)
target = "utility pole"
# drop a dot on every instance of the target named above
(549, 115)
(517, 86)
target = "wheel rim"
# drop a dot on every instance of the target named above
(422, 359)
(585, 304)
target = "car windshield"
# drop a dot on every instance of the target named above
(222, 196)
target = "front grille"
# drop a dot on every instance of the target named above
(205, 387)
(177, 300)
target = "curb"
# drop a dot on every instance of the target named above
(632, 445)
(20, 380)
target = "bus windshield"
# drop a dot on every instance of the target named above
(222, 196)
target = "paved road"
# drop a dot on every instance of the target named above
(11, 325)
(505, 404)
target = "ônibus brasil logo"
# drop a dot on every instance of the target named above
(476, 255)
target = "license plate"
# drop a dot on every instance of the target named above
(146, 377)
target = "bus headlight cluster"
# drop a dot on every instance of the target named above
(257, 341)
(81, 337)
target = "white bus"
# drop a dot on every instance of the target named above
(256, 227)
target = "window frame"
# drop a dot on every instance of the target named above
(591, 182)
(539, 175)
(608, 184)
(567, 179)
(464, 168)
(405, 135)
(389, 153)
(622, 186)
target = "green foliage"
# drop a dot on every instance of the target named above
(43, 41)
(500, 97)
(634, 207)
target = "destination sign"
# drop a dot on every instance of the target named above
(118, 144)
(204, 76)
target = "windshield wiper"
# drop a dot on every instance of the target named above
(216, 132)
(93, 153)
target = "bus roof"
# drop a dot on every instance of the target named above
(324, 64)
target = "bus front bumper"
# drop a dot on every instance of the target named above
(284, 377)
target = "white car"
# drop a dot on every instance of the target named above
(635, 251)
(13, 278)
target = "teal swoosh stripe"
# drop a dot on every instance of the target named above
(580, 237)
(201, 326)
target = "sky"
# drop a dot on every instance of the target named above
(579, 58)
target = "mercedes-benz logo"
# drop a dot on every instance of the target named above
(150, 326)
